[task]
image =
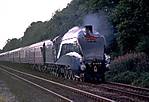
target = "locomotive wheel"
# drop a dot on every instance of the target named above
(66, 74)
(57, 72)
(39, 68)
(34, 66)
(70, 75)
(50, 70)
(81, 77)
(103, 78)
(87, 77)
(43, 68)
(73, 77)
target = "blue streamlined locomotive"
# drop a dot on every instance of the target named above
(78, 54)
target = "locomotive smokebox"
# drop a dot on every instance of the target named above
(89, 28)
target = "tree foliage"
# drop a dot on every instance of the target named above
(35, 32)
(130, 19)
(12, 44)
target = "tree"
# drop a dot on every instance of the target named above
(12, 44)
(35, 32)
(131, 20)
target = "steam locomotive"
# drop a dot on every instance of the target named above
(80, 54)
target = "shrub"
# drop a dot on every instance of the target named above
(130, 69)
(125, 77)
(143, 45)
(132, 62)
(143, 80)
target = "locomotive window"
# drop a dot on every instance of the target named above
(66, 48)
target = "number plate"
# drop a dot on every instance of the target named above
(95, 68)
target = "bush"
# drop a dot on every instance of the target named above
(130, 69)
(125, 77)
(136, 62)
(143, 80)
(143, 45)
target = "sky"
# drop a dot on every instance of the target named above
(17, 15)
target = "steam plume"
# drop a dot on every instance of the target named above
(101, 24)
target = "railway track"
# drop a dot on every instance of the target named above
(65, 92)
(134, 89)
(126, 92)
(139, 92)
(114, 91)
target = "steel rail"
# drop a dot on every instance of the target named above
(130, 86)
(88, 94)
(62, 97)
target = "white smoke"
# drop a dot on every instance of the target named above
(100, 23)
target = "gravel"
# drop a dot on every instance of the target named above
(13, 89)
(5, 94)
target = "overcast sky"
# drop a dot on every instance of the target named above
(17, 15)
